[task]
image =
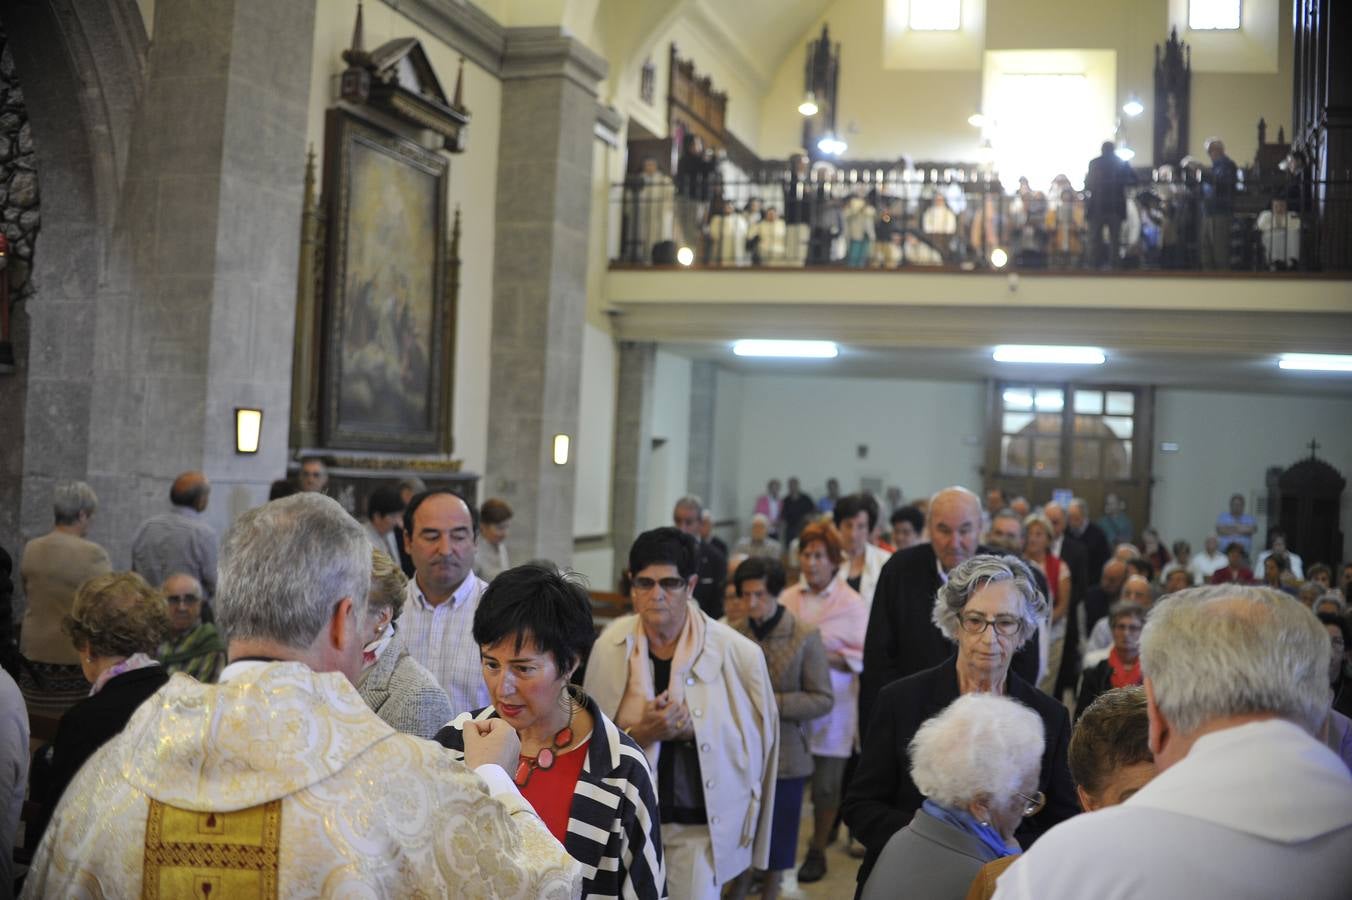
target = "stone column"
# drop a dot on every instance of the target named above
(196, 313)
(699, 477)
(540, 282)
(633, 445)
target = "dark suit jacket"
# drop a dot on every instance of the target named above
(882, 798)
(1096, 549)
(901, 638)
(86, 727)
(713, 573)
(1096, 681)
(405, 561)
(1074, 555)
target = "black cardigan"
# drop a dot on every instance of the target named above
(882, 798)
(86, 727)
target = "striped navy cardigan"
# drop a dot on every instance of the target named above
(613, 825)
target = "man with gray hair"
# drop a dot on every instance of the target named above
(278, 780)
(1248, 802)
(759, 543)
(52, 567)
(179, 540)
(712, 564)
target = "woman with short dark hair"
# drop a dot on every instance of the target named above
(588, 781)
(797, 662)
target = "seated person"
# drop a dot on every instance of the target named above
(919, 252)
(1110, 760)
(588, 780)
(192, 647)
(976, 763)
(396, 686)
(1279, 236)
(115, 624)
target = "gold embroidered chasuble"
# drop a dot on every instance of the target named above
(283, 783)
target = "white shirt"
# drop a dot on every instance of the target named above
(440, 638)
(1297, 565)
(386, 543)
(1204, 565)
(1258, 811)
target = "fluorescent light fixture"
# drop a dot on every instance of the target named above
(685, 256)
(561, 442)
(1125, 153)
(809, 105)
(786, 349)
(999, 258)
(1315, 362)
(1049, 354)
(248, 429)
(831, 145)
(1133, 107)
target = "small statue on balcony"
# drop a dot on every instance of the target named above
(859, 218)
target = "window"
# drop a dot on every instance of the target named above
(935, 15)
(1214, 15)
(1043, 123)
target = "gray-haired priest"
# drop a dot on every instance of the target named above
(279, 781)
(1249, 802)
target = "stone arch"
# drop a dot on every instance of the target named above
(81, 66)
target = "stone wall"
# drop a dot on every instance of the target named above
(19, 201)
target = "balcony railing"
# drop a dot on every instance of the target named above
(967, 225)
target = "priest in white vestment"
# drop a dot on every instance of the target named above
(280, 781)
(1249, 803)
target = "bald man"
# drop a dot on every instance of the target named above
(901, 638)
(179, 540)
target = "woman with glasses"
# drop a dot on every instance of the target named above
(989, 607)
(976, 763)
(588, 781)
(1122, 668)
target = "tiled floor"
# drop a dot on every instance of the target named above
(840, 868)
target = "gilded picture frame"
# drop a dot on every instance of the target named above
(389, 305)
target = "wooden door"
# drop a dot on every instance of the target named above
(1088, 439)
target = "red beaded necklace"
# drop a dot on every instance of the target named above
(545, 758)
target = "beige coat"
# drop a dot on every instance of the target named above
(53, 567)
(732, 705)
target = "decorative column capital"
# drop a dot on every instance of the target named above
(549, 52)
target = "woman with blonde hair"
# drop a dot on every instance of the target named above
(396, 686)
(115, 624)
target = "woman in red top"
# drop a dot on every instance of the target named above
(588, 782)
(1037, 543)
(1235, 571)
(1122, 668)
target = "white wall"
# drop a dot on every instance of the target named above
(921, 435)
(473, 187)
(1227, 441)
(671, 420)
(595, 441)
(723, 495)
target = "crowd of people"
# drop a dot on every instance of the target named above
(1194, 215)
(981, 695)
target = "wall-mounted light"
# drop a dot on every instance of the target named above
(777, 349)
(1051, 355)
(248, 429)
(1125, 153)
(999, 258)
(809, 105)
(831, 145)
(1315, 362)
(561, 442)
(1133, 107)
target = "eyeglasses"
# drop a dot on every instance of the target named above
(182, 599)
(1033, 804)
(1005, 626)
(671, 584)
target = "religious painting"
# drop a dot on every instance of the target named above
(388, 316)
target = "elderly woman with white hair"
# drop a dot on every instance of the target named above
(989, 607)
(977, 765)
(758, 544)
